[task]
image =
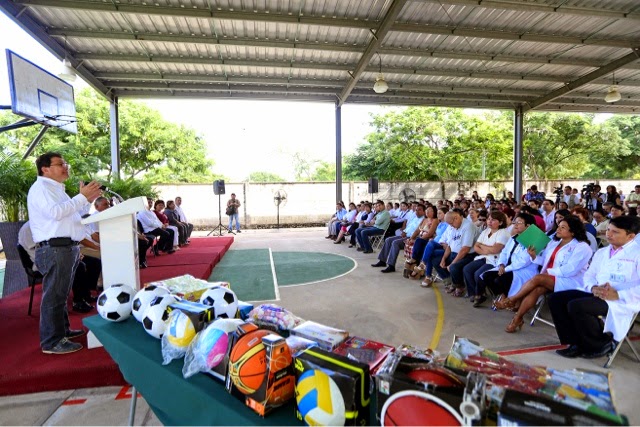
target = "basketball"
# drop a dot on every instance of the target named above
(248, 362)
(435, 376)
(319, 399)
(417, 408)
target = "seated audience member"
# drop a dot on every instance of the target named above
(399, 221)
(347, 221)
(548, 212)
(514, 266)
(152, 225)
(536, 215)
(183, 218)
(458, 242)
(475, 197)
(606, 206)
(381, 224)
(488, 248)
(558, 216)
(534, 194)
(578, 196)
(85, 278)
(144, 243)
(335, 219)
(616, 211)
(158, 209)
(563, 261)
(569, 199)
(366, 219)
(488, 200)
(563, 206)
(174, 219)
(611, 288)
(600, 223)
(427, 245)
(394, 244)
(427, 230)
(632, 200)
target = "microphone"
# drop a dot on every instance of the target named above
(102, 187)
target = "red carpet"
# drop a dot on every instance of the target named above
(25, 369)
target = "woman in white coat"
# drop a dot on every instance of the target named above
(564, 262)
(611, 288)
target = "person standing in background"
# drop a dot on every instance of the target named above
(55, 224)
(232, 211)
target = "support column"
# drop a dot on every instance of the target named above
(518, 125)
(115, 137)
(338, 153)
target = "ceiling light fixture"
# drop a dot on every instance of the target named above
(613, 95)
(380, 85)
(67, 73)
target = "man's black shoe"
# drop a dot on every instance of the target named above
(389, 269)
(570, 352)
(91, 299)
(238, 231)
(170, 251)
(359, 249)
(605, 350)
(367, 252)
(75, 333)
(379, 264)
(82, 307)
(63, 346)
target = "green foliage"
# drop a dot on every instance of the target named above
(264, 177)
(16, 177)
(126, 188)
(151, 148)
(625, 164)
(324, 171)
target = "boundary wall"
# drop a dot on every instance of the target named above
(310, 203)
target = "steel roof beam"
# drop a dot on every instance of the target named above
(319, 46)
(586, 79)
(332, 22)
(538, 7)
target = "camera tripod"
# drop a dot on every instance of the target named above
(220, 229)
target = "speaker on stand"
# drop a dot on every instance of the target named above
(373, 187)
(218, 190)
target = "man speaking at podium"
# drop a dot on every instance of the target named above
(55, 224)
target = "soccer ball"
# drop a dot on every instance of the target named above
(156, 317)
(224, 301)
(114, 304)
(143, 298)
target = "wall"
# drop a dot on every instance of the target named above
(314, 202)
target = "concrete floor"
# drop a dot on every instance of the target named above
(367, 303)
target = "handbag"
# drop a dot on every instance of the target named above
(231, 210)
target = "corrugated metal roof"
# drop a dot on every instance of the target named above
(542, 54)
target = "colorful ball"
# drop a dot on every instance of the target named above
(223, 300)
(215, 342)
(248, 362)
(180, 331)
(114, 304)
(417, 408)
(143, 298)
(156, 316)
(320, 402)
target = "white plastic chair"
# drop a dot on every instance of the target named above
(617, 349)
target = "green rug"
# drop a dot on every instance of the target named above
(251, 276)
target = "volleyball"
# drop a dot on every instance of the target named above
(248, 362)
(180, 331)
(320, 402)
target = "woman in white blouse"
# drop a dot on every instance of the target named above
(488, 247)
(564, 262)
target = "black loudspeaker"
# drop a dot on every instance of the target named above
(373, 185)
(218, 187)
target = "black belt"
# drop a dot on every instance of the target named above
(58, 241)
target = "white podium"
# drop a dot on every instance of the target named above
(119, 242)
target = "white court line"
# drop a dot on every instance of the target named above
(355, 265)
(275, 278)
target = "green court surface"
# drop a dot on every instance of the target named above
(251, 275)
(1, 281)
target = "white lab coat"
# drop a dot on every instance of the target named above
(622, 271)
(570, 264)
(521, 265)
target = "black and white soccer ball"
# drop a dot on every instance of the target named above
(143, 298)
(223, 300)
(156, 317)
(114, 304)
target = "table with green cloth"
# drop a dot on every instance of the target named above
(199, 400)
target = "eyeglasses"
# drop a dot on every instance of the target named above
(519, 223)
(63, 164)
(482, 219)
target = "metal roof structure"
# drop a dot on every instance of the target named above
(553, 55)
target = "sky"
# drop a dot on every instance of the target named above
(242, 136)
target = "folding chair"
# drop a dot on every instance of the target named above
(34, 277)
(617, 349)
(377, 240)
(536, 315)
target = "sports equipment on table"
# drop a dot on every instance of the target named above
(223, 300)
(143, 298)
(417, 408)
(180, 331)
(114, 304)
(248, 362)
(157, 315)
(319, 399)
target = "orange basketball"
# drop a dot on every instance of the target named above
(248, 362)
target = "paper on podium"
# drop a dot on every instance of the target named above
(535, 237)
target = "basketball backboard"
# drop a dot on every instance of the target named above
(39, 95)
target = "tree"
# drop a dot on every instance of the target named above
(150, 147)
(624, 165)
(262, 176)
(324, 171)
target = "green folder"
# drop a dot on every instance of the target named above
(535, 237)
